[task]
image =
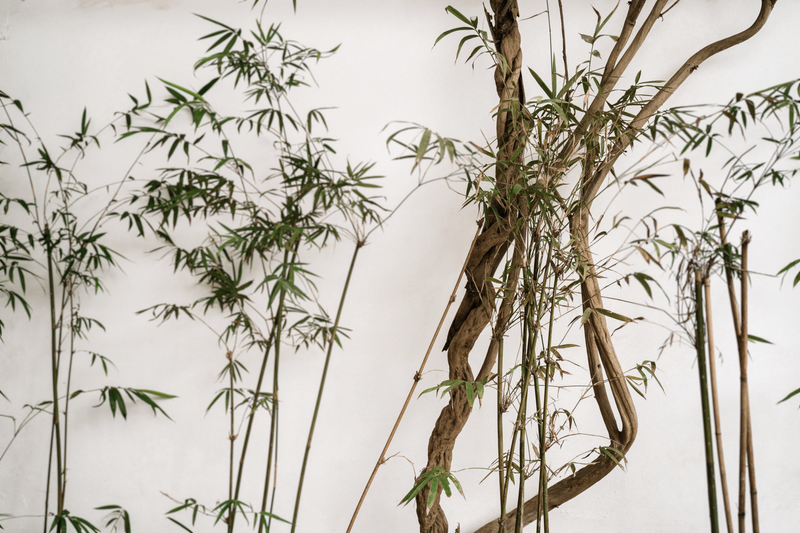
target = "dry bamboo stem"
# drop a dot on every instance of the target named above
(745, 393)
(712, 368)
(743, 400)
(745, 418)
(417, 377)
(707, 441)
(751, 468)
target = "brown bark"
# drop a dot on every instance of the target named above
(712, 368)
(477, 307)
(600, 350)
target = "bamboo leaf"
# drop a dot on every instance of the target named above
(615, 316)
(791, 395)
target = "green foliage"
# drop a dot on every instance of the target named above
(471, 388)
(790, 395)
(116, 515)
(433, 479)
(644, 369)
(473, 32)
(116, 400)
(785, 270)
(264, 223)
(64, 519)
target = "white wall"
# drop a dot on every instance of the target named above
(58, 56)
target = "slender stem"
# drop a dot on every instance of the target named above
(417, 378)
(234, 495)
(273, 427)
(276, 416)
(331, 342)
(231, 438)
(521, 418)
(500, 446)
(54, 371)
(743, 398)
(712, 368)
(543, 428)
(69, 385)
(737, 327)
(49, 476)
(741, 340)
(751, 468)
(563, 40)
(701, 364)
(539, 435)
(532, 364)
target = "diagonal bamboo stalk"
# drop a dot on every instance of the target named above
(701, 365)
(417, 378)
(331, 343)
(712, 367)
(745, 434)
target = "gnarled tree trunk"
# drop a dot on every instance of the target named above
(505, 224)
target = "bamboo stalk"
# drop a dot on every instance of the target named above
(49, 477)
(331, 342)
(747, 432)
(273, 338)
(500, 446)
(530, 360)
(701, 364)
(545, 515)
(273, 423)
(741, 341)
(54, 371)
(231, 438)
(744, 412)
(417, 378)
(751, 468)
(737, 327)
(70, 291)
(712, 368)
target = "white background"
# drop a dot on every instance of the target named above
(58, 56)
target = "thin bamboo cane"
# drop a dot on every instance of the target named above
(331, 342)
(701, 365)
(751, 468)
(712, 368)
(54, 369)
(231, 438)
(746, 393)
(741, 341)
(500, 411)
(417, 378)
(743, 400)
